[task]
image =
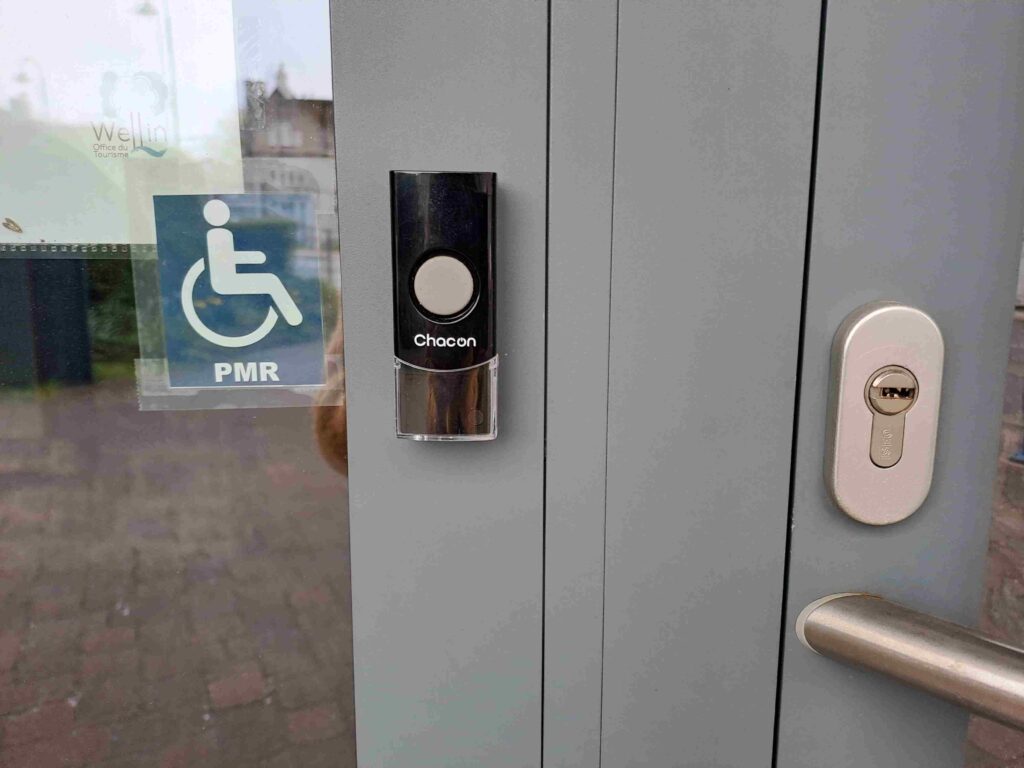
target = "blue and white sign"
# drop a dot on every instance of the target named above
(238, 308)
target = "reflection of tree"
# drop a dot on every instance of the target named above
(146, 92)
(255, 106)
(112, 325)
(147, 9)
(23, 79)
(57, 181)
(108, 94)
(220, 141)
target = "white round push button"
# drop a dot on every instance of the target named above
(443, 285)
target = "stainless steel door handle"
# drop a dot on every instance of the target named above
(955, 663)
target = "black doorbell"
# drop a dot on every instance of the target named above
(446, 363)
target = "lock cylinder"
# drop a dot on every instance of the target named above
(890, 392)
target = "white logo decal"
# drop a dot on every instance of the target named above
(246, 371)
(227, 281)
(426, 340)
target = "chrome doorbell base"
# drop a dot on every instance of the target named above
(446, 405)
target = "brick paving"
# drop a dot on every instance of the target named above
(990, 745)
(174, 587)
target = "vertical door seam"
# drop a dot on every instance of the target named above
(608, 373)
(783, 620)
(547, 316)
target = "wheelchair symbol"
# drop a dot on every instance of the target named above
(227, 281)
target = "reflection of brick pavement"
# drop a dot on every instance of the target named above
(174, 588)
(991, 745)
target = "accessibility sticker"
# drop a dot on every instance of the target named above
(240, 290)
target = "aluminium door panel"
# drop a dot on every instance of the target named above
(446, 538)
(917, 199)
(712, 166)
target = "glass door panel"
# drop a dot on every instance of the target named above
(988, 743)
(174, 560)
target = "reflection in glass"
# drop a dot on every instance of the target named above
(174, 585)
(990, 744)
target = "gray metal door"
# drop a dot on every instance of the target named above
(653, 181)
(917, 199)
(713, 147)
(771, 169)
(446, 538)
(691, 198)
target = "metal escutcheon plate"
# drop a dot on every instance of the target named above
(871, 338)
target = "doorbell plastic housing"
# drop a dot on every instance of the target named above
(446, 363)
(883, 412)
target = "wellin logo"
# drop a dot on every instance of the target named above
(142, 97)
(137, 133)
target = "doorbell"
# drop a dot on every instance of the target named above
(446, 363)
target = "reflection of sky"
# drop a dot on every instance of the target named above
(295, 32)
(72, 44)
(114, 110)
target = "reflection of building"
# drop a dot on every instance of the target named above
(291, 208)
(294, 127)
(293, 151)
